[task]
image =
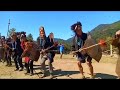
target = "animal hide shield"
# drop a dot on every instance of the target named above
(117, 33)
(116, 42)
(94, 52)
(32, 49)
(34, 52)
(117, 70)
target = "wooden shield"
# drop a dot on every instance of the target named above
(94, 52)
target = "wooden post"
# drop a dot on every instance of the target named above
(8, 27)
(111, 50)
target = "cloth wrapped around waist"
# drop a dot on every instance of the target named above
(27, 59)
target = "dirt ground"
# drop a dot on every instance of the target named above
(65, 68)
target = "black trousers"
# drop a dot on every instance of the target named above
(25, 65)
(18, 61)
(8, 58)
(29, 66)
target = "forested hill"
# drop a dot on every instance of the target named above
(105, 31)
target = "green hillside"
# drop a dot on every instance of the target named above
(104, 31)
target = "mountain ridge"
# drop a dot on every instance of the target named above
(101, 31)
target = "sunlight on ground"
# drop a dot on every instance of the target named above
(104, 59)
(65, 68)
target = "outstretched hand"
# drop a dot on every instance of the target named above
(73, 52)
(55, 43)
(43, 51)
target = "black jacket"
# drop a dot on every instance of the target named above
(75, 46)
(49, 44)
(42, 43)
(18, 49)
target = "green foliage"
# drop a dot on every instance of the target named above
(105, 31)
(30, 37)
(67, 46)
(11, 31)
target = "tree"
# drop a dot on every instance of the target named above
(108, 39)
(30, 37)
(67, 48)
(11, 31)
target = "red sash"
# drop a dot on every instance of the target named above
(27, 59)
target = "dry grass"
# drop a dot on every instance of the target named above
(65, 68)
(104, 59)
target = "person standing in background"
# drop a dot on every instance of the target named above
(61, 48)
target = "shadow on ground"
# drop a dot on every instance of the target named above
(59, 72)
(105, 76)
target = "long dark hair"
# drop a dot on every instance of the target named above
(75, 25)
(52, 37)
(43, 31)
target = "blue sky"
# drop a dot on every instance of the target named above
(58, 22)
